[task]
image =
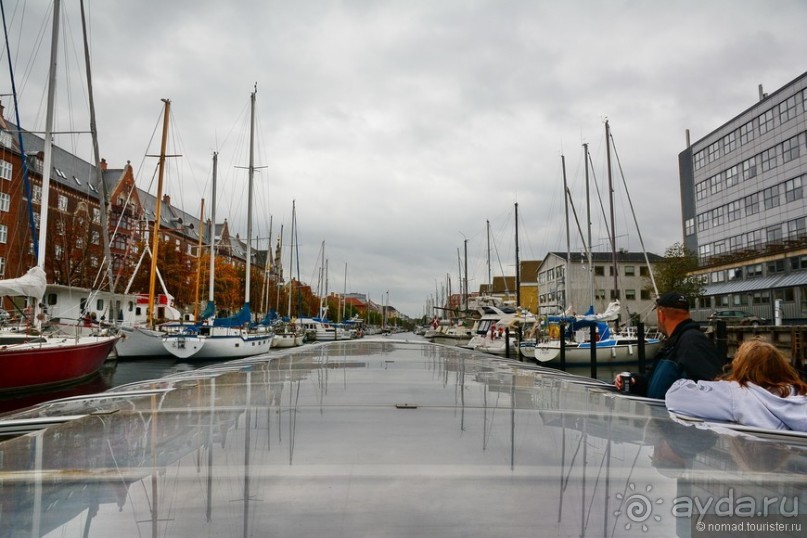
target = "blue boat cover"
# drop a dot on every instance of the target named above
(242, 317)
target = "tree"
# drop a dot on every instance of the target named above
(674, 272)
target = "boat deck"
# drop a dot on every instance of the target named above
(379, 438)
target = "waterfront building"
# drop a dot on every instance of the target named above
(557, 293)
(743, 207)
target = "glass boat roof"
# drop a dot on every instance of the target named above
(383, 438)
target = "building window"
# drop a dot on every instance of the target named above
(96, 215)
(747, 133)
(2, 267)
(766, 122)
(735, 273)
(645, 295)
(713, 152)
(793, 189)
(771, 197)
(644, 271)
(741, 299)
(787, 295)
(798, 262)
(3, 233)
(732, 177)
(95, 237)
(735, 210)
(773, 234)
(614, 295)
(787, 109)
(760, 297)
(703, 221)
(751, 203)
(701, 190)
(716, 277)
(689, 227)
(58, 252)
(717, 215)
(705, 251)
(630, 295)
(768, 159)
(62, 202)
(5, 202)
(796, 228)
(753, 239)
(5, 170)
(630, 270)
(753, 271)
(599, 294)
(776, 266)
(599, 270)
(791, 148)
(715, 184)
(700, 159)
(749, 168)
(36, 194)
(736, 243)
(730, 142)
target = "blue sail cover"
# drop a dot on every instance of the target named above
(242, 317)
(208, 312)
(269, 318)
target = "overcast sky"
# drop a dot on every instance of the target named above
(401, 127)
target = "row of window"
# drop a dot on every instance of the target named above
(772, 197)
(756, 270)
(599, 294)
(556, 273)
(767, 160)
(790, 230)
(765, 122)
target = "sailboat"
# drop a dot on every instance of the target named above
(144, 339)
(225, 338)
(47, 361)
(614, 347)
(289, 334)
(320, 328)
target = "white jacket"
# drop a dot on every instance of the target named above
(728, 401)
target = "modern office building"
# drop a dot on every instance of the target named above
(743, 207)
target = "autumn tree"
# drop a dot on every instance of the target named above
(674, 272)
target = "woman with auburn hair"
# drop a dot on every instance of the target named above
(761, 390)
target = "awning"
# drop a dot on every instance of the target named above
(758, 284)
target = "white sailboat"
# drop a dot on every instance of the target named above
(611, 347)
(225, 338)
(289, 333)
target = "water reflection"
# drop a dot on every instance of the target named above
(370, 438)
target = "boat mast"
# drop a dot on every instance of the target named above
(199, 262)
(48, 151)
(113, 314)
(518, 269)
(611, 199)
(211, 276)
(249, 195)
(588, 221)
(490, 282)
(291, 256)
(155, 240)
(566, 198)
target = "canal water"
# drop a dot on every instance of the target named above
(115, 373)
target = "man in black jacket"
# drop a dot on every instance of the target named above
(687, 352)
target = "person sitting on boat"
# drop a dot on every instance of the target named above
(761, 390)
(686, 353)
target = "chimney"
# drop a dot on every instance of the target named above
(687, 135)
(762, 94)
(103, 165)
(166, 199)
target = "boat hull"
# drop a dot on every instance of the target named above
(222, 347)
(141, 342)
(287, 340)
(52, 363)
(580, 354)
